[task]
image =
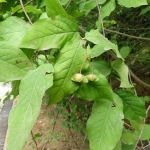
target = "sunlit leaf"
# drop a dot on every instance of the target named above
(25, 113)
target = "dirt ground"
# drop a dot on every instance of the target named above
(71, 140)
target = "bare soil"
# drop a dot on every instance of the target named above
(71, 140)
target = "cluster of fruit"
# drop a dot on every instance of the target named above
(84, 79)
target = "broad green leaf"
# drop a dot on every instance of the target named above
(51, 33)
(118, 146)
(25, 113)
(134, 108)
(96, 51)
(102, 67)
(104, 126)
(128, 138)
(68, 63)
(107, 8)
(13, 30)
(28, 9)
(54, 8)
(43, 15)
(124, 51)
(121, 68)
(138, 128)
(133, 3)
(97, 38)
(14, 63)
(95, 90)
(128, 147)
(92, 3)
(145, 10)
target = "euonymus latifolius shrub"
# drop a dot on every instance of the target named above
(54, 53)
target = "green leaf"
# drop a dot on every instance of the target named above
(54, 8)
(134, 108)
(13, 30)
(107, 8)
(121, 68)
(92, 3)
(14, 63)
(68, 63)
(95, 90)
(97, 38)
(50, 33)
(28, 9)
(3, 1)
(102, 67)
(64, 2)
(96, 51)
(118, 146)
(133, 3)
(128, 147)
(77, 14)
(124, 51)
(104, 126)
(138, 128)
(25, 113)
(145, 10)
(15, 88)
(128, 138)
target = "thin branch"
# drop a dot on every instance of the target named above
(131, 36)
(68, 5)
(100, 18)
(138, 57)
(21, 7)
(131, 29)
(115, 57)
(25, 12)
(142, 128)
(34, 140)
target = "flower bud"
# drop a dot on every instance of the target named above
(77, 77)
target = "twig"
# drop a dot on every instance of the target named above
(100, 18)
(86, 57)
(25, 12)
(34, 140)
(68, 5)
(138, 57)
(82, 143)
(131, 36)
(142, 128)
(46, 57)
(21, 7)
(115, 57)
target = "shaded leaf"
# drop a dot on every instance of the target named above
(68, 63)
(15, 88)
(134, 108)
(102, 67)
(13, 30)
(128, 138)
(25, 113)
(104, 126)
(94, 90)
(96, 51)
(14, 63)
(54, 8)
(128, 147)
(107, 8)
(145, 10)
(124, 51)
(121, 68)
(50, 33)
(118, 146)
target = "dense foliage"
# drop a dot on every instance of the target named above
(59, 48)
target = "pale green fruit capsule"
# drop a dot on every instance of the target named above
(90, 77)
(77, 77)
(96, 78)
(85, 80)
